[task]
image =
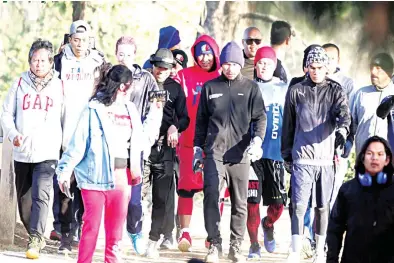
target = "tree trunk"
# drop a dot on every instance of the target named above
(79, 10)
(221, 19)
(8, 195)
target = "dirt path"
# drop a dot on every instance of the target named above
(15, 254)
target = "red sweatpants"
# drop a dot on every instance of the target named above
(114, 203)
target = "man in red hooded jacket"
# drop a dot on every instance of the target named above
(205, 53)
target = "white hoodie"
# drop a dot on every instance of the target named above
(78, 77)
(37, 116)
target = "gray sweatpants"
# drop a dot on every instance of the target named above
(218, 175)
(315, 183)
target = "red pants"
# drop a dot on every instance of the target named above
(115, 203)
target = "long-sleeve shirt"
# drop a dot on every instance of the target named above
(37, 116)
(226, 110)
(174, 111)
(311, 115)
(365, 122)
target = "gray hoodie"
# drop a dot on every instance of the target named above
(363, 107)
(37, 116)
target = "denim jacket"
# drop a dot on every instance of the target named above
(90, 151)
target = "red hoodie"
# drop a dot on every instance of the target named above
(192, 79)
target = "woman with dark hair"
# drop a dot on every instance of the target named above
(108, 133)
(32, 120)
(364, 209)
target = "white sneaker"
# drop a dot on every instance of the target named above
(152, 251)
(307, 248)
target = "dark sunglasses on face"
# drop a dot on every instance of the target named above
(251, 40)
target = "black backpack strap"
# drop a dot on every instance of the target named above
(58, 63)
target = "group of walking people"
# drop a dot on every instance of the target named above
(108, 138)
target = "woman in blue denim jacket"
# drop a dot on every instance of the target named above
(108, 133)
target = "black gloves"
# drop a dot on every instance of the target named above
(340, 138)
(385, 107)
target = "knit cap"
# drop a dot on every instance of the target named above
(265, 52)
(169, 37)
(202, 48)
(317, 55)
(306, 52)
(232, 53)
(385, 61)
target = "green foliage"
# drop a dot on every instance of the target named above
(350, 170)
(334, 10)
(25, 21)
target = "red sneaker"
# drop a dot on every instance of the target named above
(55, 235)
(207, 244)
(185, 242)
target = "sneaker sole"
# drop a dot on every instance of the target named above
(184, 245)
(254, 257)
(32, 254)
(54, 238)
(64, 252)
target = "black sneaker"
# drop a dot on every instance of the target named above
(235, 252)
(65, 244)
(34, 247)
(214, 253)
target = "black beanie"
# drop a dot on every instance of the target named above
(385, 61)
(306, 52)
(120, 74)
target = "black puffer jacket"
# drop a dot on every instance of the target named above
(366, 214)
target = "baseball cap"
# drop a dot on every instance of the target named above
(75, 27)
(163, 58)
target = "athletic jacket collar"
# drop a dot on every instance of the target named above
(224, 78)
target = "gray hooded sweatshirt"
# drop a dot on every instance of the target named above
(35, 115)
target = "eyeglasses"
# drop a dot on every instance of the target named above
(251, 40)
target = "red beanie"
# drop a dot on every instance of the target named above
(265, 52)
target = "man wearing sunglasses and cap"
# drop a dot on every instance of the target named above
(252, 41)
(160, 165)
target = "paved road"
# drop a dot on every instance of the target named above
(15, 254)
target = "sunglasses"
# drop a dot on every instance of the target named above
(251, 40)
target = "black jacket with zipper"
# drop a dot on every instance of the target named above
(226, 110)
(366, 214)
